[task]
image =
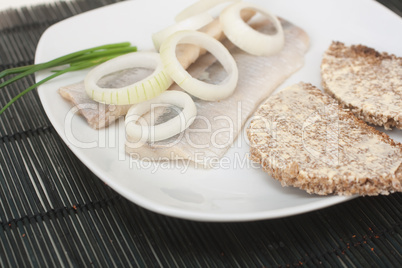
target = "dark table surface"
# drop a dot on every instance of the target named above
(54, 212)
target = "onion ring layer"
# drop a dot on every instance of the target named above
(164, 130)
(199, 7)
(192, 85)
(245, 37)
(192, 23)
(143, 90)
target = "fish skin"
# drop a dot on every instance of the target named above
(99, 115)
(258, 78)
(255, 73)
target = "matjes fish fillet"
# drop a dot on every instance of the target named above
(100, 115)
(218, 123)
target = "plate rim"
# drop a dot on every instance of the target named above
(169, 210)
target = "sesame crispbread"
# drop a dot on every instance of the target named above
(367, 82)
(304, 139)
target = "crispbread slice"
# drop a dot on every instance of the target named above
(367, 82)
(302, 138)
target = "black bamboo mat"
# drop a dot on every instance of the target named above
(54, 212)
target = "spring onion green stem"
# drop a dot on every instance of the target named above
(66, 59)
(76, 61)
(77, 67)
(97, 54)
(15, 70)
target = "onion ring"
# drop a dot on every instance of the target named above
(143, 90)
(192, 85)
(246, 38)
(199, 7)
(192, 23)
(164, 130)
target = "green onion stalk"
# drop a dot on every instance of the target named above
(75, 61)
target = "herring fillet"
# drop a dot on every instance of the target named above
(218, 123)
(100, 115)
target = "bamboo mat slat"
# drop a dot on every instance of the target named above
(55, 213)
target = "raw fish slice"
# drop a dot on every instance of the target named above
(100, 115)
(219, 123)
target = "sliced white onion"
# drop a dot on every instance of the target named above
(143, 90)
(191, 23)
(164, 130)
(192, 85)
(199, 7)
(246, 38)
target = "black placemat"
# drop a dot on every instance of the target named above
(54, 212)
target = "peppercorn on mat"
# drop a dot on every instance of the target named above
(54, 212)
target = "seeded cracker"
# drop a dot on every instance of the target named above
(303, 139)
(367, 82)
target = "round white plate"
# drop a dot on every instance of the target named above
(238, 190)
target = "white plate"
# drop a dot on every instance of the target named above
(237, 191)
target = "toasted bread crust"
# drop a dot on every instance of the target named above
(369, 162)
(366, 82)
